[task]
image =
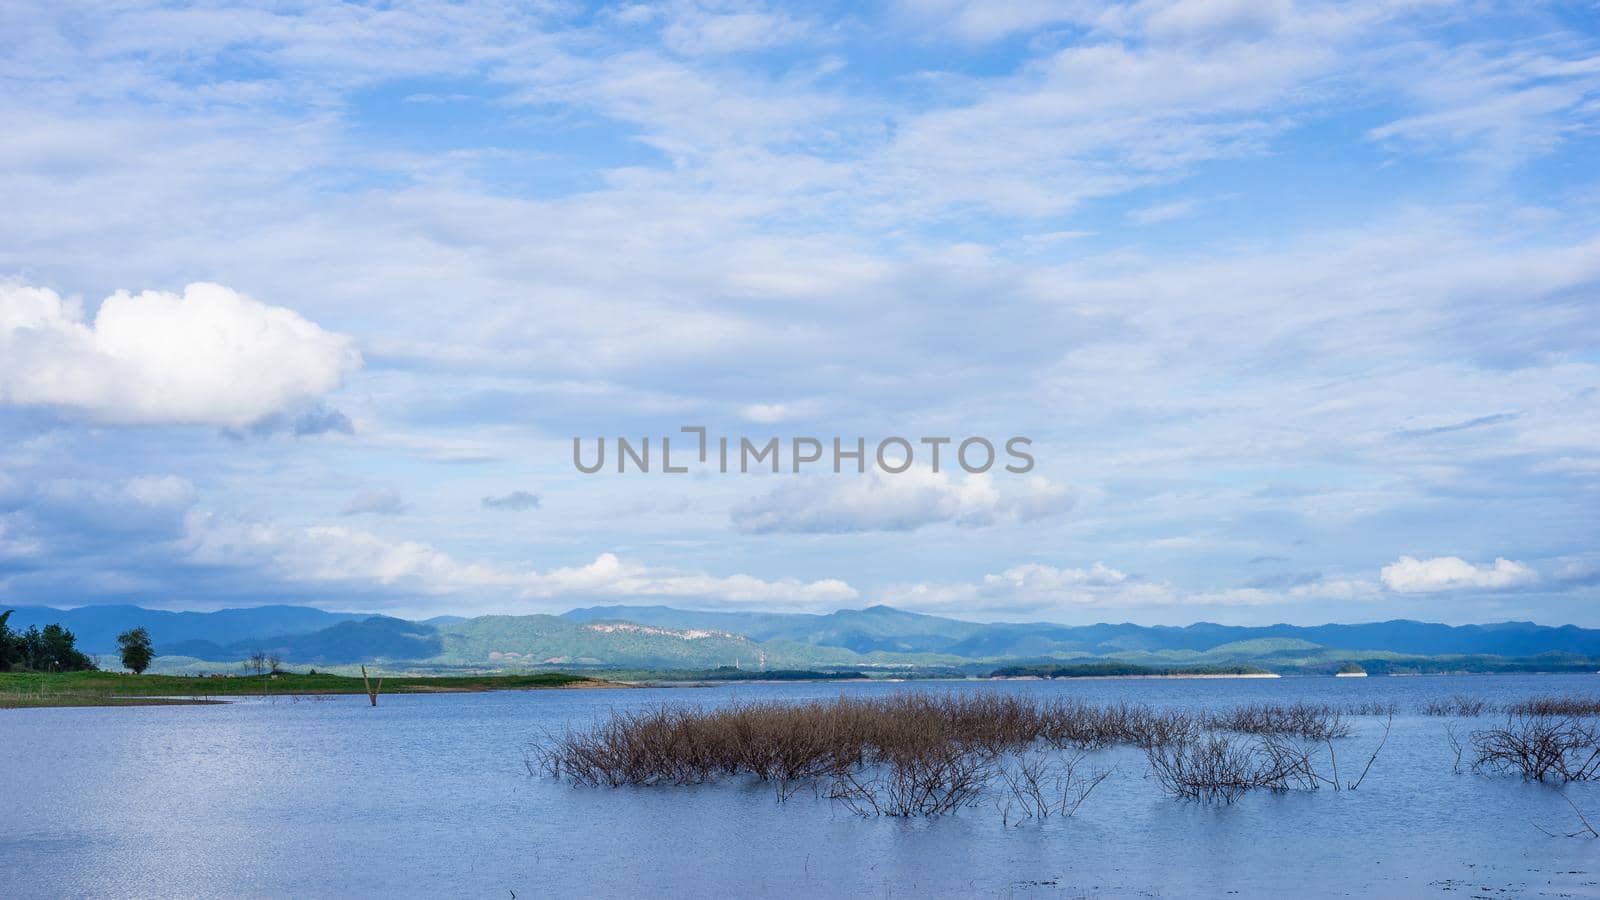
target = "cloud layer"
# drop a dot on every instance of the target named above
(1281, 291)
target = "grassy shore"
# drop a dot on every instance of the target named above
(34, 689)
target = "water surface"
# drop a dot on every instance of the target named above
(428, 795)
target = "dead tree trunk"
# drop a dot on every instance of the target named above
(372, 692)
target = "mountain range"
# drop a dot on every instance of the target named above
(884, 628)
(878, 637)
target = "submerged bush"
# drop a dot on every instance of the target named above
(1540, 748)
(1457, 705)
(1556, 706)
(1220, 767)
(1041, 785)
(917, 754)
(1312, 721)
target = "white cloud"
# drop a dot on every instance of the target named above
(694, 30)
(210, 356)
(1164, 212)
(878, 501)
(16, 548)
(336, 555)
(1053, 578)
(1496, 103)
(1408, 575)
(979, 22)
(770, 413)
(1037, 589)
(610, 576)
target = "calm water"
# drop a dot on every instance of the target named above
(429, 796)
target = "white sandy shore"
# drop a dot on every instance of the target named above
(1122, 677)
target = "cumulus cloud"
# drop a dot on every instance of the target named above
(208, 356)
(1042, 590)
(339, 556)
(1408, 575)
(1037, 588)
(878, 501)
(516, 501)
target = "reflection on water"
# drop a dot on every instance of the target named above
(427, 795)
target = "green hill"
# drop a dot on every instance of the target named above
(1256, 648)
(524, 641)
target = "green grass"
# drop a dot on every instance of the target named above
(35, 689)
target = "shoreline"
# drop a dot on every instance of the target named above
(33, 690)
(1196, 676)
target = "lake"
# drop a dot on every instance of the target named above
(429, 796)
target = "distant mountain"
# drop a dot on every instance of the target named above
(444, 620)
(660, 637)
(876, 628)
(368, 640)
(97, 627)
(887, 629)
(519, 642)
(556, 640)
(757, 626)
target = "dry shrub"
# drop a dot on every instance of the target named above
(1457, 705)
(1219, 767)
(1042, 784)
(930, 754)
(1216, 766)
(1540, 748)
(930, 781)
(1556, 706)
(1312, 721)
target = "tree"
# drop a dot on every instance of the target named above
(10, 644)
(258, 662)
(52, 650)
(136, 650)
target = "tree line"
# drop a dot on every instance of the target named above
(55, 649)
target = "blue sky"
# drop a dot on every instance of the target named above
(1299, 303)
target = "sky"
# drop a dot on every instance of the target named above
(1298, 303)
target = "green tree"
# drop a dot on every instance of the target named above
(10, 645)
(136, 650)
(52, 650)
